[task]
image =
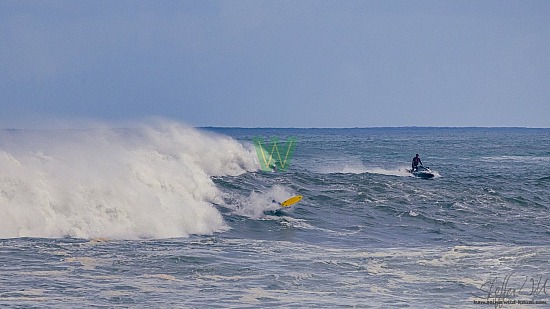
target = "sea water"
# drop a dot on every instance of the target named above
(167, 216)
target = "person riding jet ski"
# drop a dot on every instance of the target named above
(415, 162)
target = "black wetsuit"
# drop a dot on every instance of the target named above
(416, 161)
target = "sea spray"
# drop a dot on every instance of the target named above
(257, 204)
(153, 181)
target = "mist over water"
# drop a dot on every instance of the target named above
(153, 181)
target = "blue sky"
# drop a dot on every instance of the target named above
(277, 63)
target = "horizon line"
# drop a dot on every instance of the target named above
(377, 127)
(302, 128)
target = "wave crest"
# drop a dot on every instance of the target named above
(153, 181)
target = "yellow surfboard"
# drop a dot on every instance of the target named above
(291, 201)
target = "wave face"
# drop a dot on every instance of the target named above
(362, 236)
(153, 181)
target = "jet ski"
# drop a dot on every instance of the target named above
(422, 172)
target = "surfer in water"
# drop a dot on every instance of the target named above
(416, 161)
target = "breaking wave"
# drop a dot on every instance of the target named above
(153, 181)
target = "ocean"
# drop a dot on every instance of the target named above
(167, 216)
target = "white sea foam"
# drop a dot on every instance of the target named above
(257, 203)
(357, 167)
(150, 182)
(350, 166)
(400, 171)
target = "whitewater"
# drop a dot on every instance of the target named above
(165, 215)
(147, 182)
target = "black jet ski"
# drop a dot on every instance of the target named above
(422, 172)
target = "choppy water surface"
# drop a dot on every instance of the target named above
(169, 216)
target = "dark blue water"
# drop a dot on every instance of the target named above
(491, 184)
(366, 234)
